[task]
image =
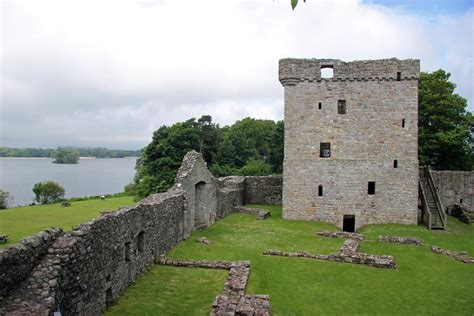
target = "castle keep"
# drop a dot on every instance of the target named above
(351, 141)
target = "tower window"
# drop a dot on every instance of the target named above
(320, 190)
(395, 163)
(399, 76)
(325, 150)
(319, 105)
(371, 188)
(341, 107)
(403, 122)
(327, 71)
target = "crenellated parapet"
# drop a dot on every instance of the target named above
(292, 71)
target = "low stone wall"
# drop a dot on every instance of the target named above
(260, 213)
(376, 261)
(233, 300)
(401, 240)
(459, 256)
(17, 262)
(263, 190)
(455, 187)
(339, 234)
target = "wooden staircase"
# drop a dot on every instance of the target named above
(432, 207)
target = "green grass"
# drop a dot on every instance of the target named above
(424, 283)
(28, 220)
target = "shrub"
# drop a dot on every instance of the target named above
(48, 192)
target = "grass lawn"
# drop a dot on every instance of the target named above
(424, 283)
(28, 220)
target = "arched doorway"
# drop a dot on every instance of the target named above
(201, 211)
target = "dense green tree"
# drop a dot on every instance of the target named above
(48, 192)
(248, 147)
(254, 167)
(445, 126)
(5, 199)
(66, 157)
(157, 167)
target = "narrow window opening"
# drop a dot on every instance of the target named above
(395, 163)
(108, 278)
(141, 241)
(327, 71)
(399, 76)
(325, 150)
(127, 251)
(348, 223)
(319, 105)
(403, 122)
(371, 188)
(320, 190)
(460, 201)
(341, 106)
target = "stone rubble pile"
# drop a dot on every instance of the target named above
(401, 240)
(233, 300)
(260, 213)
(459, 256)
(339, 234)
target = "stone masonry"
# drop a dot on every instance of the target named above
(455, 187)
(343, 132)
(83, 271)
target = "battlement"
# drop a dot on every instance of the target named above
(292, 71)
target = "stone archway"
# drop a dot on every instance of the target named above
(201, 207)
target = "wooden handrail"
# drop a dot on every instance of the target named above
(424, 203)
(434, 190)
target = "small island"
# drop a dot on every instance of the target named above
(66, 157)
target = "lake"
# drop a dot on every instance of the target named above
(88, 177)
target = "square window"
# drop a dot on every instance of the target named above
(325, 150)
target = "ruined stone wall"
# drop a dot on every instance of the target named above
(83, 271)
(17, 262)
(263, 190)
(86, 269)
(455, 187)
(378, 127)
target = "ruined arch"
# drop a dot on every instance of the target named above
(201, 207)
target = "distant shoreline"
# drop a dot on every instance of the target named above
(82, 158)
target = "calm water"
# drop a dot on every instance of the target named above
(89, 177)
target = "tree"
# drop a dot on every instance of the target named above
(5, 199)
(66, 157)
(254, 167)
(161, 159)
(48, 192)
(445, 127)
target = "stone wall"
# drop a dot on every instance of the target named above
(455, 187)
(17, 262)
(263, 190)
(85, 270)
(376, 131)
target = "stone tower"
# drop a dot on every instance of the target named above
(351, 141)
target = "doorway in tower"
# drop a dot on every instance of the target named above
(348, 224)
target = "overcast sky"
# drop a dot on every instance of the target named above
(109, 73)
